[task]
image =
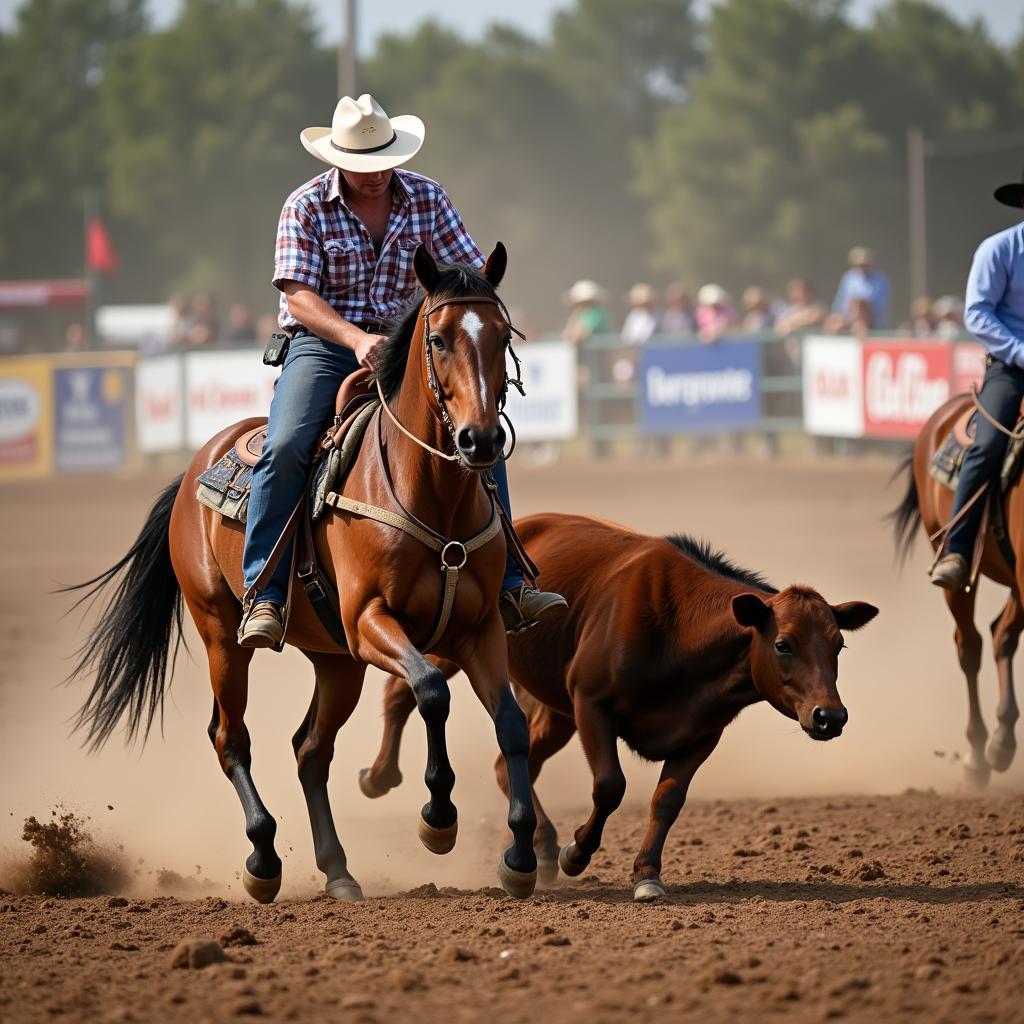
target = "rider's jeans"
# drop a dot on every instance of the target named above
(1001, 395)
(302, 406)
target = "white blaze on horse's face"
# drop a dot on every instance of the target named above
(472, 325)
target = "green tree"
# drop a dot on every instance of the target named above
(204, 120)
(51, 69)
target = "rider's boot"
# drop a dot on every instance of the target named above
(262, 625)
(951, 571)
(523, 607)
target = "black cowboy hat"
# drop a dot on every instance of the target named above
(1011, 194)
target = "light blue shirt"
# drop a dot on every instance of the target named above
(872, 287)
(994, 304)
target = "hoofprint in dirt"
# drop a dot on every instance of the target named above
(880, 908)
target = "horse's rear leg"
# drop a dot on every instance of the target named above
(339, 681)
(968, 646)
(399, 703)
(1005, 633)
(229, 675)
(549, 733)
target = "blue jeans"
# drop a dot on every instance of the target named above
(301, 410)
(1001, 394)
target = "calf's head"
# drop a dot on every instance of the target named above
(796, 637)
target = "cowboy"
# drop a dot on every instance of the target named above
(994, 314)
(344, 267)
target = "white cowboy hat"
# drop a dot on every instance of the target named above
(363, 138)
(584, 291)
(712, 295)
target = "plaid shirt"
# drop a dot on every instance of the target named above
(322, 243)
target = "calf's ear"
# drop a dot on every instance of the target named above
(494, 268)
(853, 614)
(750, 610)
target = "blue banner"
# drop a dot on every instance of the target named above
(701, 388)
(90, 404)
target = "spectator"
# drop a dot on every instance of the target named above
(677, 319)
(587, 315)
(862, 282)
(240, 325)
(714, 312)
(801, 311)
(205, 329)
(922, 319)
(265, 327)
(181, 321)
(641, 320)
(757, 310)
(74, 337)
(948, 314)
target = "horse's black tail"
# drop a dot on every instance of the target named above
(138, 634)
(906, 517)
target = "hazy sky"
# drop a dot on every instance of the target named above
(1003, 17)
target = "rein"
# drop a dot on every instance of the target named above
(435, 387)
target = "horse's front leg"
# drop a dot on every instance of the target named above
(485, 661)
(667, 802)
(381, 641)
(1006, 632)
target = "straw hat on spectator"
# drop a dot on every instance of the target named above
(712, 295)
(861, 256)
(363, 138)
(641, 295)
(584, 290)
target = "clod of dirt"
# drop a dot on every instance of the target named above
(66, 861)
(170, 883)
(457, 954)
(238, 937)
(869, 871)
(357, 1001)
(406, 980)
(197, 953)
(428, 889)
(557, 940)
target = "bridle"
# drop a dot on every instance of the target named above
(435, 387)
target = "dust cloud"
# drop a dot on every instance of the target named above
(810, 521)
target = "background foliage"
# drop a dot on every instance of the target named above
(637, 142)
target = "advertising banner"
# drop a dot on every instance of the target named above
(968, 365)
(222, 388)
(90, 414)
(160, 404)
(832, 386)
(904, 383)
(548, 412)
(701, 388)
(26, 436)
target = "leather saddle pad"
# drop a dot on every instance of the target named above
(355, 389)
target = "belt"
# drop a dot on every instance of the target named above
(304, 332)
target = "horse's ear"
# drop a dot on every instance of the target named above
(853, 614)
(497, 262)
(425, 267)
(750, 610)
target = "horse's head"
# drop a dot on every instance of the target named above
(796, 637)
(465, 337)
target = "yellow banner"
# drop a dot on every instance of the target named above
(26, 417)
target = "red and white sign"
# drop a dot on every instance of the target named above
(222, 388)
(159, 404)
(904, 383)
(968, 366)
(832, 384)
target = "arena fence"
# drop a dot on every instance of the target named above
(104, 412)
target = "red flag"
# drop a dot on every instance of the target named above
(100, 254)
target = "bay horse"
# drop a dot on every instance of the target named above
(929, 505)
(664, 643)
(442, 375)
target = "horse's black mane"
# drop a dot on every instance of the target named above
(453, 279)
(702, 552)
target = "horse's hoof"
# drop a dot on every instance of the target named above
(438, 840)
(518, 884)
(345, 889)
(367, 786)
(262, 890)
(976, 771)
(1000, 757)
(567, 862)
(649, 890)
(547, 871)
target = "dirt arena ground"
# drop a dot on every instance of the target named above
(854, 879)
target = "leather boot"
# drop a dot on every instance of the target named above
(950, 571)
(263, 626)
(523, 607)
